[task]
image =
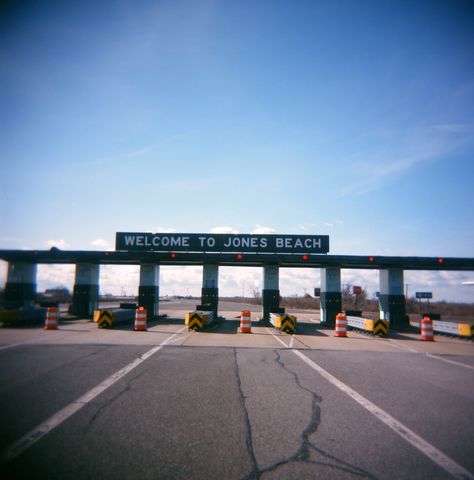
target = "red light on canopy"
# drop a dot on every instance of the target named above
(240, 256)
(305, 257)
(440, 260)
(173, 255)
(371, 259)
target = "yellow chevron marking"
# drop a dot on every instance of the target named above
(105, 319)
(195, 320)
(381, 328)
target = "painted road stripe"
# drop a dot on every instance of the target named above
(393, 343)
(274, 336)
(41, 430)
(453, 468)
(430, 355)
(28, 342)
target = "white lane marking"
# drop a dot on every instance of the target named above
(52, 422)
(430, 355)
(274, 336)
(395, 344)
(448, 464)
(292, 341)
(28, 342)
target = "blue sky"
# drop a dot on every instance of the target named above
(353, 119)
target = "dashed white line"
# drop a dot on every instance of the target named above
(52, 422)
(448, 464)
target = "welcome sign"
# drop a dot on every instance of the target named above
(224, 243)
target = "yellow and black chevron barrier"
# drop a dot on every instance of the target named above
(195, 320)
(380, 328)
(104, 319)
(286, 323)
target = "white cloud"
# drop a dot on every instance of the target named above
(100, 242)
(333, 223)
(51, 276)
(261, 230)
(163, 230)
(56, 243)
(223, 230)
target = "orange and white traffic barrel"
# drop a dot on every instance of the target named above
(427, 330)
(341, 325)
(140, 319)
(52, 318)
(245, 322)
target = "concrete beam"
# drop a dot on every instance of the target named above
(85, 296)
(149, 289)
(392, 297)
(331, 298)
(210, 286)
(20, 287)
(271, 291)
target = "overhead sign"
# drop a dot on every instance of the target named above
(424, 294)
(317, 292)
(356, 290)
(224, 243)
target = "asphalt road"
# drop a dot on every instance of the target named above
(223, 405)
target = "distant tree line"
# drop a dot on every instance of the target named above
(367, 303)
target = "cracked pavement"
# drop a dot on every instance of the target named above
(217, 405)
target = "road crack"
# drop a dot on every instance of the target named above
(254, 474)
(303, 452)
(126, 388)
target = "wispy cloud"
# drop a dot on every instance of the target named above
(100, 242)
(333, 223)
(163, 230)
(405, 152)
(261, 230)
(56, 243)
(223, 230)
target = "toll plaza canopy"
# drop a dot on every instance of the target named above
(58, 256)
(230, 250)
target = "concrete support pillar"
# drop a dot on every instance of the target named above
(210, 286)
(331, 298)
(271, 291)
(20, 288)
(85, 296)
(392, 297)
(149, 289)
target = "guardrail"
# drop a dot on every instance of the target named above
(464, 330)
(377, 327)
(283, 321)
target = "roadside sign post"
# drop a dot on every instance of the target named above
(356, 290)
(426, 296)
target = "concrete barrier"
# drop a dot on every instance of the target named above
(284, 322)
(109, 317)
(199, 319)
(23, 316)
